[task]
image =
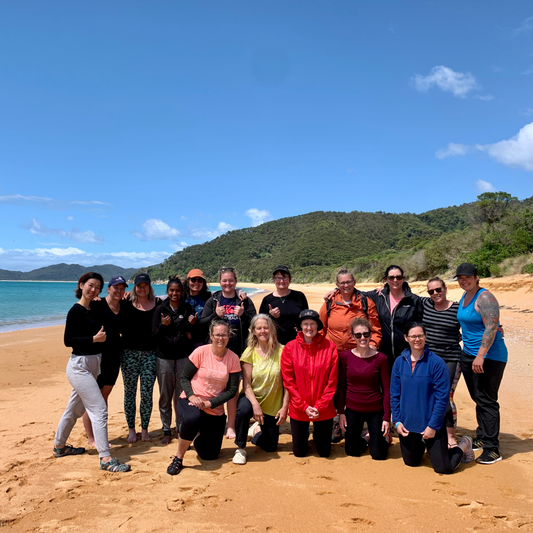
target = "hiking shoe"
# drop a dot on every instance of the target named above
(336, 434)
(114, 466)
(489, 457)
(240, 457)
(67, 450)
(477, 444)
(175, 467)
(468, 454)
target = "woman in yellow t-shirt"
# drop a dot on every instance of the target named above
(264, 398)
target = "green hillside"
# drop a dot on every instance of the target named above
(316, 244)
(64, 272)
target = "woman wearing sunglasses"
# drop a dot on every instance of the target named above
(397, 306)
(196, 294)
(420, 392)
(443, 336)
(363, 394)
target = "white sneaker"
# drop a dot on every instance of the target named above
(251, 429)
(240, 457)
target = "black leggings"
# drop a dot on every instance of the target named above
(443, 459)
(321, 436)
(267, 439)
(211, 427)
(355, 444)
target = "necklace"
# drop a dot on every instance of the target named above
(284, 298)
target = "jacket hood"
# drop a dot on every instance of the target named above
(406, 354)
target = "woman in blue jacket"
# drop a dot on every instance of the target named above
(420, 392)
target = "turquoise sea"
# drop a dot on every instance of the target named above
(38, 304)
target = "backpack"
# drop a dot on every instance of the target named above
(364, 303)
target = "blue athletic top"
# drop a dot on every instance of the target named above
(473, 328)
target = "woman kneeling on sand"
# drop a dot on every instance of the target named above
(263, 397)
(210, 378)
(85, 334)
(309, 365)
(420, 392)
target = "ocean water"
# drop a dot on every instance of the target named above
(38, 304)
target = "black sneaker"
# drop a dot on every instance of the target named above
(336, 434)
(489, 457)
(477, 444)
(175, 467)
(67, 450)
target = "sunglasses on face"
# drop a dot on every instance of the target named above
(394, 278)
(196, 280)
(366, 335)
(438, 290)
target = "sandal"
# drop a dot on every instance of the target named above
(175, 467)
(67, 450)
(114, 466)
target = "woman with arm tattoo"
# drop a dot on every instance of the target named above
(483, 359)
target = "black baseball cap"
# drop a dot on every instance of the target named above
(465, 269)
(282, 268)
(142, 278)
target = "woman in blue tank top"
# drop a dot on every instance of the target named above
(483, 359)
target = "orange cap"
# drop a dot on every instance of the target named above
(196, 273)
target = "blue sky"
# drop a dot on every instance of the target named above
(129, 130)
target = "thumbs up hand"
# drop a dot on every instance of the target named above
(100, 336)
(220, 311)
(274, 311)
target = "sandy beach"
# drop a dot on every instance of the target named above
(273, 492)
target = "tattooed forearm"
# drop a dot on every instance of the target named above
(489, 310)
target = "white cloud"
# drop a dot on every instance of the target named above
(528, 71)
(527, 25)
(516, 151)
(258, 216)
(37, 228)
(485, 186)
(497, 69)
(70, 218)
(26, 259)
(155, 229)
(484, 97)
(445, 78)
(453, 149)
(527, 111)
(51, 203)
(204, 233)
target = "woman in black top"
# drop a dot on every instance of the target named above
(172, 331)
(108, 310)
(284, 305)
(85, 333)
(138, 358)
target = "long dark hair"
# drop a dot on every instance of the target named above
(204, 291)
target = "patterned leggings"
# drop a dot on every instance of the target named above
(135, 364)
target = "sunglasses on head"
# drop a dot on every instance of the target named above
(366, 335)
(433, 291)
(226, 269)
(395, 278)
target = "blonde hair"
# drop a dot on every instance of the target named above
(133, 293)
(273, 343)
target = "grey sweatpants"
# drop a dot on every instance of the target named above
(82, 371)
(168, 378)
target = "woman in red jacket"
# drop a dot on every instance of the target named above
(309, 365)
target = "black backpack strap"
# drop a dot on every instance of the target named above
(364, 301)
(328, 306)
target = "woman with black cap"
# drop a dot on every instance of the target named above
(284, 305)
(483, 359)
(309, 365)
(138, 357)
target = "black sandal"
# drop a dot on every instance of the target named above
(175, 467)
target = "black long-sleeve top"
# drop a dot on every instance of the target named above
(172, 341)
(81, 326)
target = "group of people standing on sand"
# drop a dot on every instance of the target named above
(385, 358)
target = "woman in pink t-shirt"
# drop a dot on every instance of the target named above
(210, 378)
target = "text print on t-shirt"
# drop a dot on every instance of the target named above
(215, 381)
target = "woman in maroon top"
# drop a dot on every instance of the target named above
(363, 394)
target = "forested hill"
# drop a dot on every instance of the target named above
(64, 272)
(312, 245)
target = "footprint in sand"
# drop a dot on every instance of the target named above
(350, 504)
(508, 492)
(353, 524)
(323, 493)
(329, 478)
(194, 502)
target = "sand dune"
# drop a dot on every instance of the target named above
(273, 492)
